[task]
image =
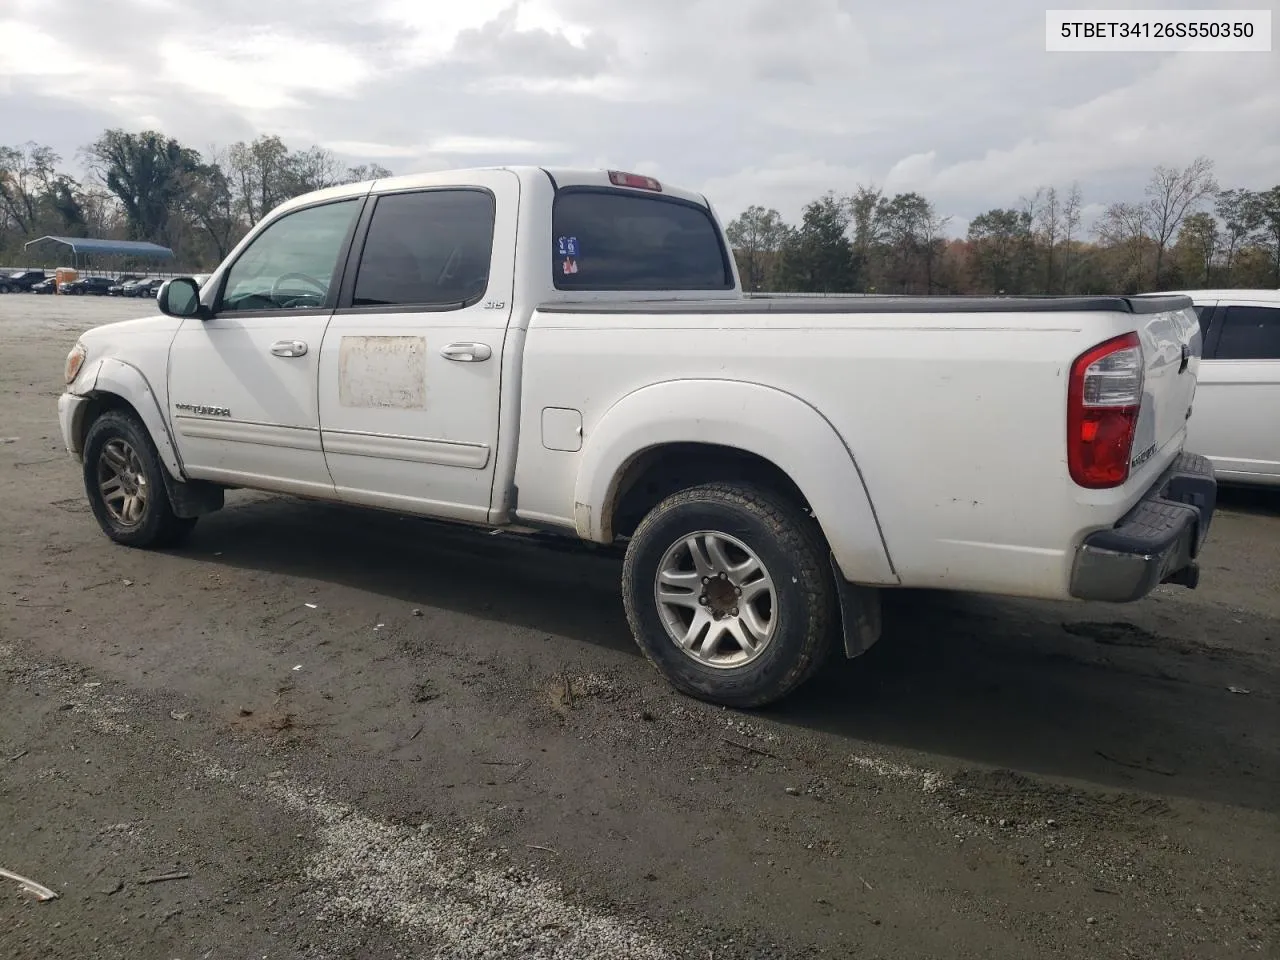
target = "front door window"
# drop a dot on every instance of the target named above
(293, 263)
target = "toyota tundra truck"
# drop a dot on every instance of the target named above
(570, 352)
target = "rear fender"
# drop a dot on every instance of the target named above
(772, 424)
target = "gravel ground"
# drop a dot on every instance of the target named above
(314, 732)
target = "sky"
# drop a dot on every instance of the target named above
(750, 101)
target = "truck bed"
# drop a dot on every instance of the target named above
(952, 408)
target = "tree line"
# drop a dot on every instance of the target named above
(146, 186)
(1185, 232)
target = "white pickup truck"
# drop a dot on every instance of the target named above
(569, 351)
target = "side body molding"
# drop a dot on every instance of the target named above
(765, 421)
(129, 383)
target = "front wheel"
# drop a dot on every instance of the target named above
(125, 484)
(728, 592)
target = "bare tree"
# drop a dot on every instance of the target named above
(1232, 208)
(1196, 247)
(1262, 212)
(27, 172)
(1127, 228)
(1070, 224)
(1171, 195)
(259, 172)
(366, 171)
(1049, 227)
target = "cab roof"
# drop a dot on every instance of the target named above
(559, 176)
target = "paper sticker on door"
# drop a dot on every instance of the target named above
(389, 372)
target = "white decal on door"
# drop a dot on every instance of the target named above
(383, 372)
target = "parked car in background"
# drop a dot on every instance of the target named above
(141, 287)
(48, 285)
(21, 281)
(118, 287)
(1235, 419)
(98, 286)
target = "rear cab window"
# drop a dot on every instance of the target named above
(606, 239)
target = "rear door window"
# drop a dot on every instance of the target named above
(429, 249)
(1249, 333)
(610, 240)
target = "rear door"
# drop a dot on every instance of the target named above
(410, 369)
(1236, 422)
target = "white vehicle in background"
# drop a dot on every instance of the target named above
(569, 351)
(1236, 416)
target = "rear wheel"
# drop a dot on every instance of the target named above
(125, 484)
(728, 592)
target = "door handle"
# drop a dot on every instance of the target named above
(289, 348)
(466, 352)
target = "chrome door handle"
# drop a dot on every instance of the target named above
(289, 348)
(466, 352)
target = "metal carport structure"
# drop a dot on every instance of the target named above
(84, 248)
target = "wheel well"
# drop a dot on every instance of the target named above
(661, 471)
(100, 403)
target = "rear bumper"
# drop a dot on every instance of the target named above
(1156, 542)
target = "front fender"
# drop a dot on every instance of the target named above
(130, 384)
(764, 421)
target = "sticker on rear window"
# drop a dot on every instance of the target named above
(567, 246)
(569, 266)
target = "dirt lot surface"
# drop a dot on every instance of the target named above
(316, 732)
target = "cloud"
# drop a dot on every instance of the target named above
(266, 72)
(502, 47)
(749, 101)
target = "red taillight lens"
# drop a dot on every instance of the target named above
(619, 179)
(1104, 396)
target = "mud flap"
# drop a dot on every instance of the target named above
(192, 498)
(860, 619)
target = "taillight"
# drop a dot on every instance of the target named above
(1103, 399)
(619, 179)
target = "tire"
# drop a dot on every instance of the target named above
(118, 448)
(799, 609)
(4, 288)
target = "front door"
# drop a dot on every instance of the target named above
(410, 370)
(242, 384)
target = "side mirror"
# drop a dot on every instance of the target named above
(180, 297)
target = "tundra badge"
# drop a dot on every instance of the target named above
(203, 410)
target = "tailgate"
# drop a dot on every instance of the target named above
(1171, 347)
